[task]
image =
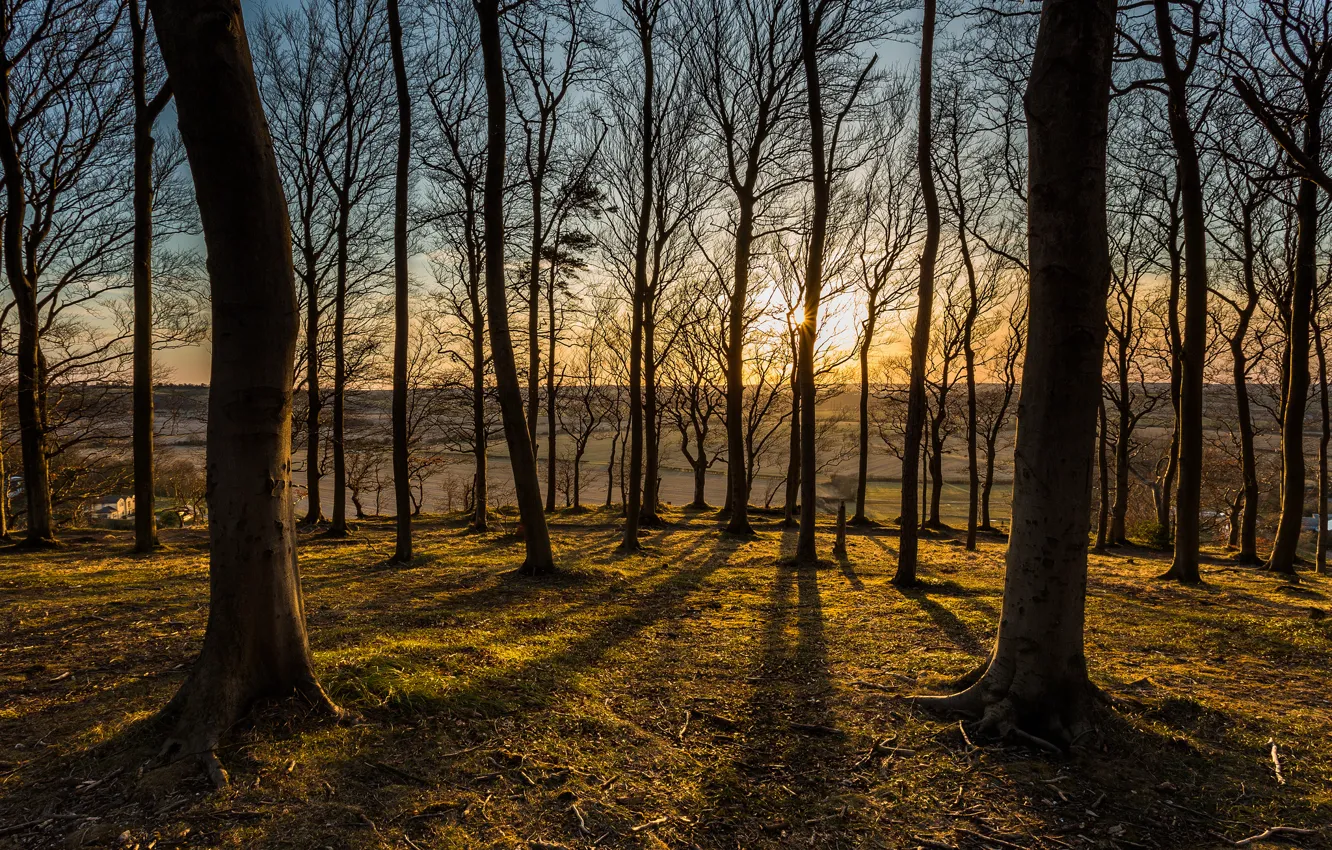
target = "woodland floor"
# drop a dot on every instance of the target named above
(703, 694)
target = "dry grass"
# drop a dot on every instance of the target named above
(700, 695)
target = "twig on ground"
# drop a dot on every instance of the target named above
(654, 822)
(1276, 763)
(1273, 831)
(930, 842)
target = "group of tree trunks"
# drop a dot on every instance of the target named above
(1033, 684)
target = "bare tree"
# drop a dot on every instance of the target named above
(255, 646)
(540, 559)
(402, 547)
(920, 339)
(747, 58)
(1035, 680)
(1293, 89)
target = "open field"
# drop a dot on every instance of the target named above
(704, 694)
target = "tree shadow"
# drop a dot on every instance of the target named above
(942, 616)
(849, 571)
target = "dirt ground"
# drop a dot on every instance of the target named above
(703, 694)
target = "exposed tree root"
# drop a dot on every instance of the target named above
(208, 706)
(1051, 722)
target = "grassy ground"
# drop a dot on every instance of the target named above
(702, 694)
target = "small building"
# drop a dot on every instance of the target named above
(108, 509)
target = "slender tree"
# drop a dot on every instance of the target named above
(908, 544)
(146, 110)
(1299, 35)
(402, 551)
(540, 559)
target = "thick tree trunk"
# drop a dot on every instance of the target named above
(402, 549)
(1035, 680)
(540, 559)
(920, 334)
(255, 647)
(1193, 353)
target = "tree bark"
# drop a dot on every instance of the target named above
(540, 559)
(1193, 353)
(255, 647)
(402, 547)
(793, 450)
(1035, 680)
(806, 550)
(647, 116)
(1287, 538)
(862, 463)
(1248, 528)
(920, 335)
(1324, 437)
(145, 113)
(552, 409)
(737, 473)
(1103, 469)
(32, 430)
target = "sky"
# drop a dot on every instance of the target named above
(190, 364)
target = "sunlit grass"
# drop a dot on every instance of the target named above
(705, 693)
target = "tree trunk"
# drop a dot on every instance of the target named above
(552, 410)
(32, 431)
(862, 463)
(1323, 438)
(610, 468)
(255, 647)
(1287, 539)
(793, 452)
(737, 472)
(337, 526)
(806, 550)
(1035, 680)
(633, 504)
(402, 550)
(651, 433)
(1118, 535)
(314, 513)
(920, 334)
(1103, 469)
(1193, 353)
(540, 559)
(936, 466)
(969, 364)
(145, 113)
(1248, 527)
